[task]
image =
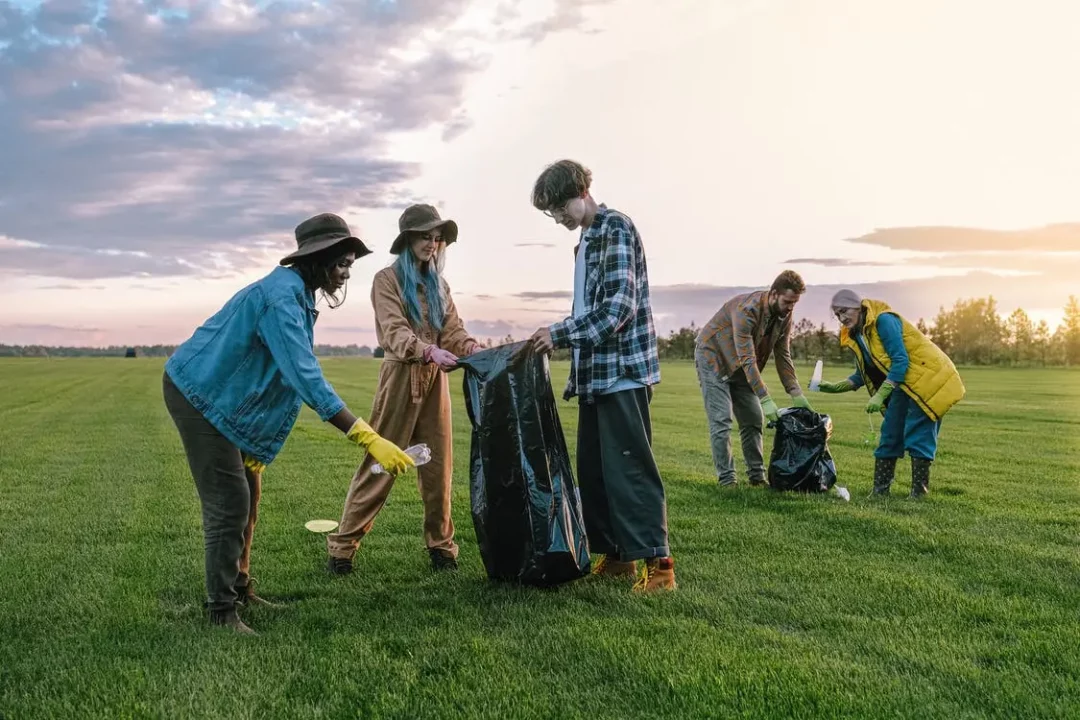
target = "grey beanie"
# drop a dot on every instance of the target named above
(846, 299)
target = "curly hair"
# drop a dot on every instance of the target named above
(314, 269)
(789, 280)
(560, 182)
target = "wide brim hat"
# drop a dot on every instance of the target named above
(422, 218)
(321, 232)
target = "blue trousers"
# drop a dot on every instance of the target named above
(907, 427)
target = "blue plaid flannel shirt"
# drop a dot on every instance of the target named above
(616, 337)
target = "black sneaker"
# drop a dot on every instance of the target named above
(339, 566)
(442, 560)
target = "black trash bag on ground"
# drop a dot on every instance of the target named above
(800, 457)
(525, 505)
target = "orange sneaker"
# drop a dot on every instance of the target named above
(659, 574)
(606, 567)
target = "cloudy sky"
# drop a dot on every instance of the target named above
(157, 155)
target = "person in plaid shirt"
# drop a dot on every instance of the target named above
(615, 364)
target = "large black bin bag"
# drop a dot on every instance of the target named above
(525, 506)
(800, 457)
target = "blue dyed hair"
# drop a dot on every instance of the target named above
(410, 278)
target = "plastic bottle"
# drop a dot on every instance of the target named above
(815, 379)
(420, 454)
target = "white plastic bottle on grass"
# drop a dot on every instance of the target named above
(420, 454)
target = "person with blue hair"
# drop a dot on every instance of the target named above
(422, 335)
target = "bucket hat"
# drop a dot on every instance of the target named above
(320, 232)
(422, 218)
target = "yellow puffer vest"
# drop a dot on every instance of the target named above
(931, 379)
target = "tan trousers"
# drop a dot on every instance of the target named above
(412, 405)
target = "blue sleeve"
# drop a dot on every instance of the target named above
(856, 380)
(891, 332)
(282, 328)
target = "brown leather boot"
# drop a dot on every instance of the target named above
(659, 574)
(245, 597)
(229, 619)
(610, 568)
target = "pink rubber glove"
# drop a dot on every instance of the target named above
(443, 358)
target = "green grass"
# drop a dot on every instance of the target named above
(964, 605)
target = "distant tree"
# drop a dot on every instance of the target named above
(1042, 344)
(827, 345)
(972, 332)
(1020, 336)
(378, 353)
(1070, 328)
(678, 345)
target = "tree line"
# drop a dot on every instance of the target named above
(971, 332)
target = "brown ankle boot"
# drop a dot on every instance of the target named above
(246, 597)
(611, 568)
(229, 619)
(659, 574)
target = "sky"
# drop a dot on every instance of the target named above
(157, 155)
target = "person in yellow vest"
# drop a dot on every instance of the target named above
(892, 353)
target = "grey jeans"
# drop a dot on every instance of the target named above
(230, 499)
(622, 495)
(725, 397)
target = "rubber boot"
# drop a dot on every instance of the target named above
(884, 472)
(920, 477)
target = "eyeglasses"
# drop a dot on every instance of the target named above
(842, 313)
(557, 211)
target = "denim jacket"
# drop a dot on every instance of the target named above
(249, 366)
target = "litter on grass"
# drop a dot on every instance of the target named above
(320, 525)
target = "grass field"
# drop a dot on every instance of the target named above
(964, 605)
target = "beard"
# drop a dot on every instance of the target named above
(774, 308)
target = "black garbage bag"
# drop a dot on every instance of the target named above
(800, 457)
(525, 505)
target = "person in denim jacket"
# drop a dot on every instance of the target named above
(234, 390)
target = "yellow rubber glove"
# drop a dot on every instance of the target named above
(253, 465)
(386, 453)
(768, 406)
